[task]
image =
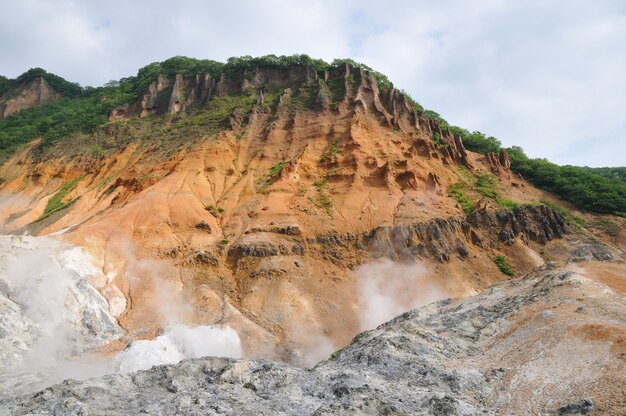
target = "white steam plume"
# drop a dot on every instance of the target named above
(178, 343)
(387, 289)
(49, 314)
(52, 319)
(177, 340)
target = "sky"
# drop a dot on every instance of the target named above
(546, 75)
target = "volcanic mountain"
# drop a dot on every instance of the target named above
(261, 195)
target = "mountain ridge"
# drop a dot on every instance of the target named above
(587, 189)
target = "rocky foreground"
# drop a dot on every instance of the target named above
(549, 343)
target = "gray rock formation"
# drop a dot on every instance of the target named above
(496, 353)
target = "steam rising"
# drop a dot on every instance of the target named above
(177, 343)
(52, 319)
(387, 289)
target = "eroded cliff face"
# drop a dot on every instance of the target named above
(29, 95)
(255, 198)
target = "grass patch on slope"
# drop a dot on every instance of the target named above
(56, 202)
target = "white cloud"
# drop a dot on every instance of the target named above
(548, 76)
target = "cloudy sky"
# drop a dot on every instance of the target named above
(548, 75)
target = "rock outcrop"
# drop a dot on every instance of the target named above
(353, 87)
(31, 94)
(499, 164)
(439, 239)
(465, 357)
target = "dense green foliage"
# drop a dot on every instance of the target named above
(272, 61)
(5, 84)
(85, 109)
(58, 120)
(610, 173)
(584, 188)
(601, 190)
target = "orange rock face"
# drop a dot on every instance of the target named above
(262, 224)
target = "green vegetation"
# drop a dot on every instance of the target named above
(240, 63)
(305, 97)
(58, 120)
(275, 170)
(335, 89)
(272, 61)
(213, 117)
(477, 141)
(85, 110)
(5, 84)
(265, 181)
(55, 203)
(331, 151)
(223, 242)
(456, 192)
(324, 200)
(608, 226)
(215, 211)
(503, 265)
(585, 189)
(437, 139)
(382, 81)
(485, 184)
(610, 173)
(600, 190)
(507, 203)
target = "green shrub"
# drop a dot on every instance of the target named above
(456, 192)
(215, 211)
(331, 151)
(486, 185)
(503, 265)
(506, 203)
(437, 139)
(55, 203)
(275, 170)
(324, 200)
